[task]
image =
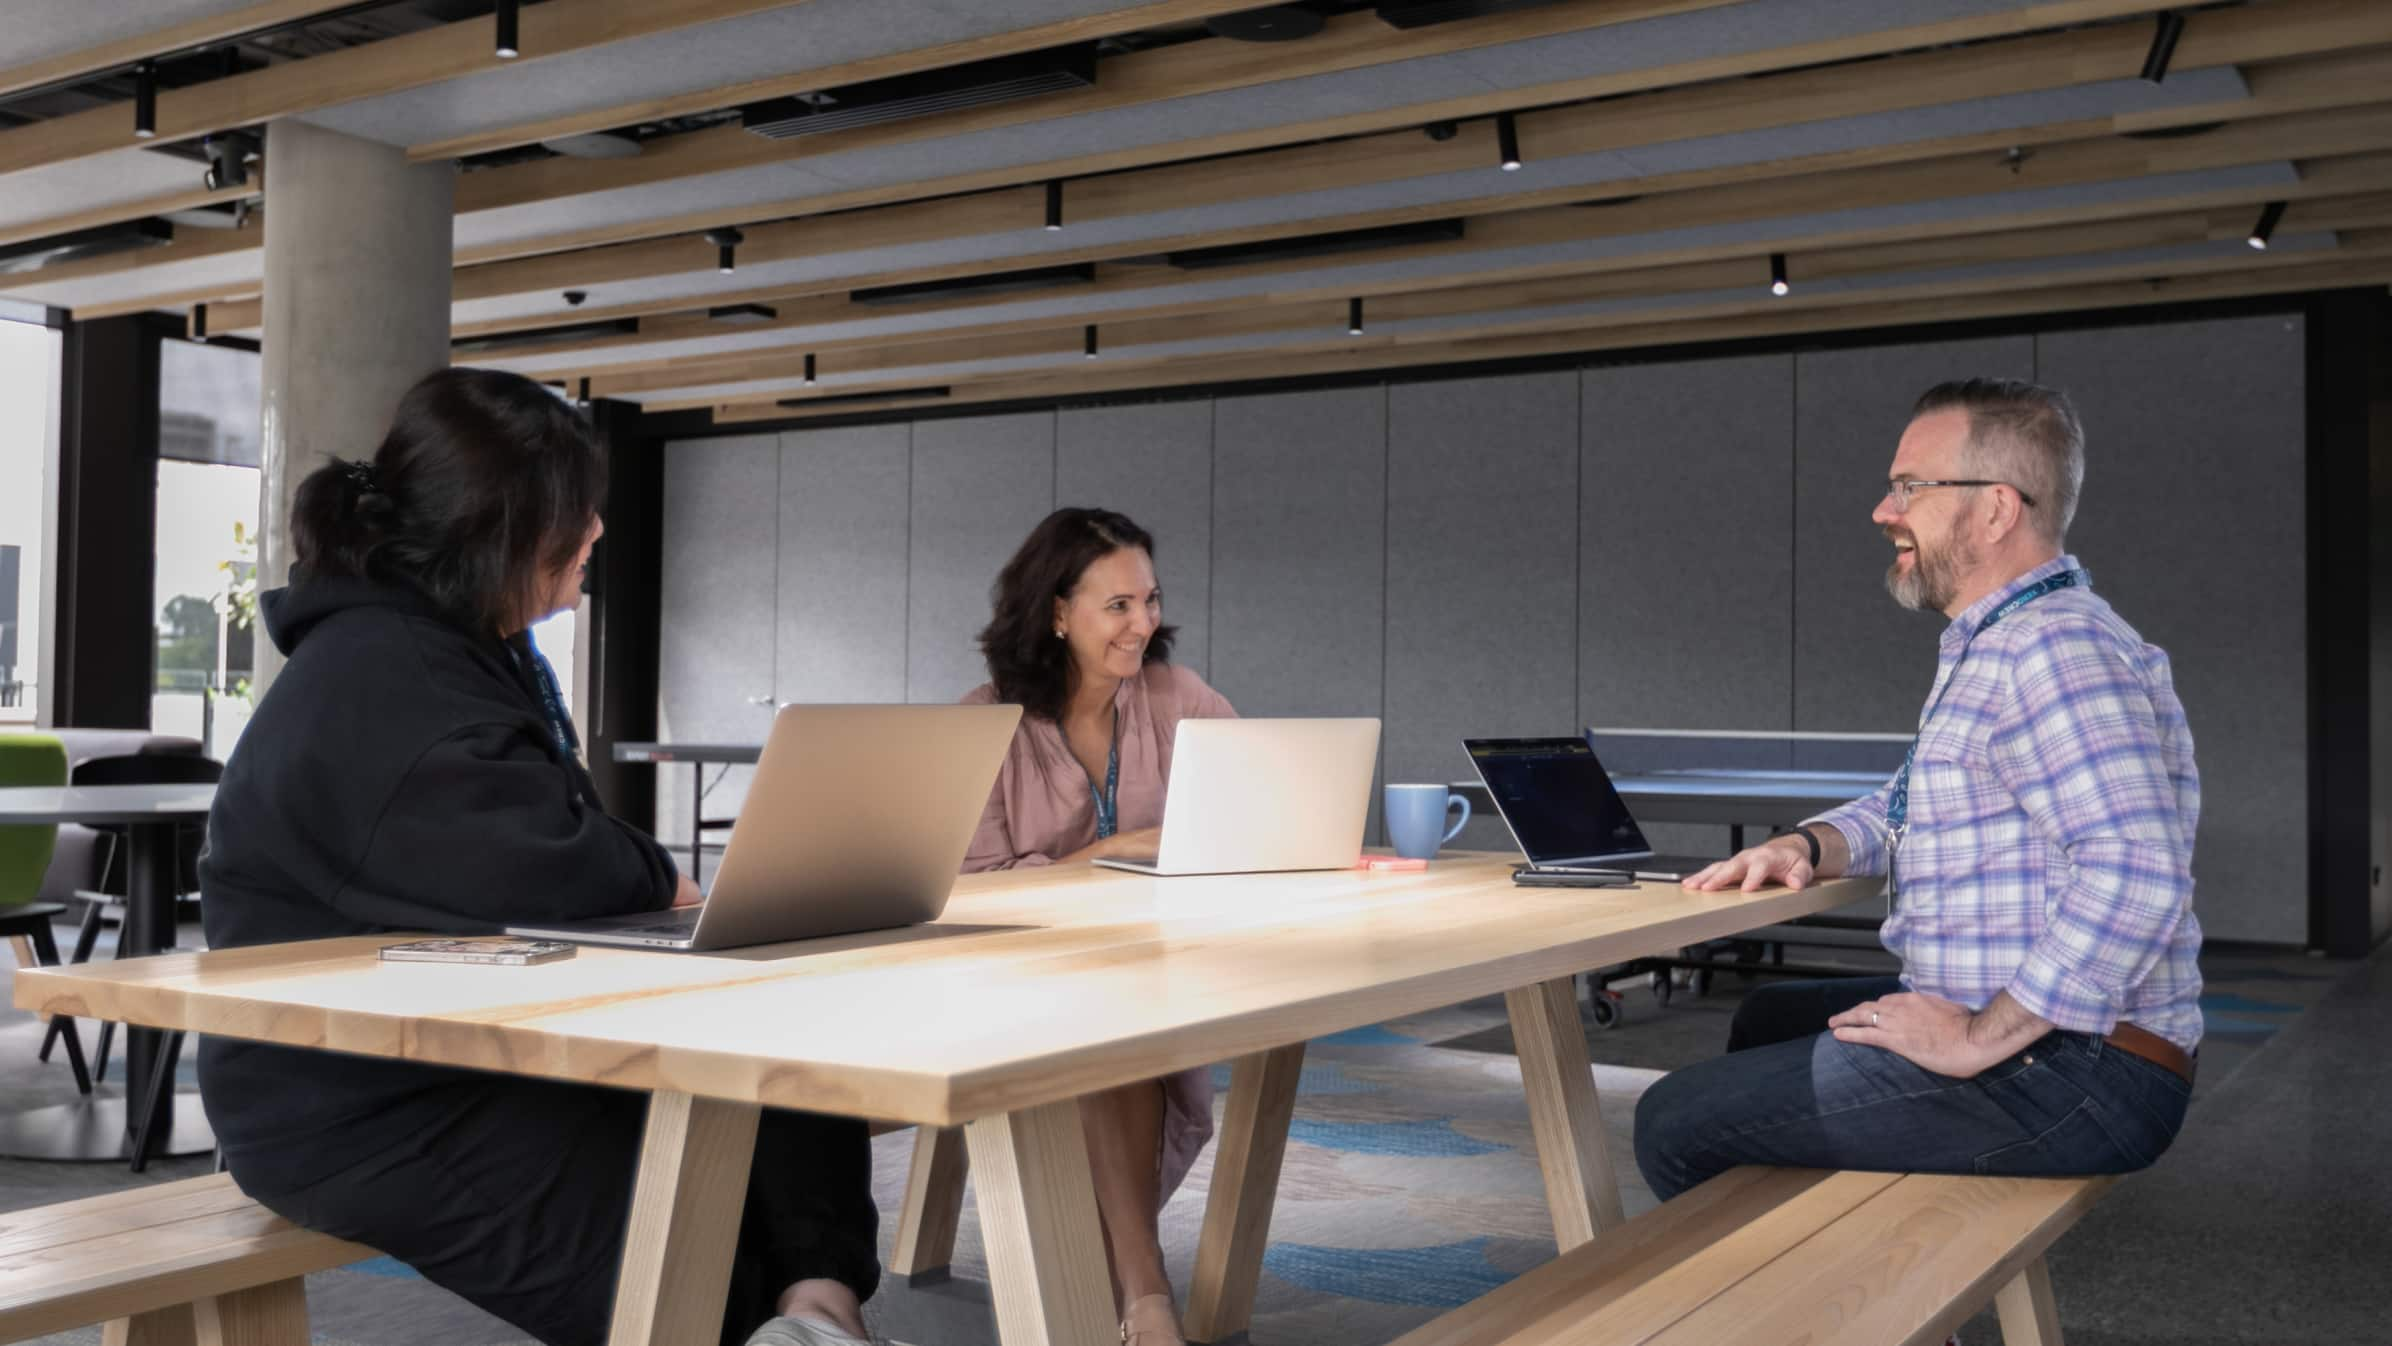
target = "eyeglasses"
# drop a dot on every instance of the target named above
(1903, 488)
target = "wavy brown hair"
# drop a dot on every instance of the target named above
(1029, 667)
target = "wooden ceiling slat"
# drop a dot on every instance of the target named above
(1347, 42)
(1243, 317)
(496, 191)
(1786, 318)
(124, 51)
(1891, 85)
(1086, 28)
(388, 66)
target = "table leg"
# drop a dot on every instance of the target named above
(148, 929)
(1237, 1210)
(933, 1206)
(1580, 1189)
(677, 1249)
(1038, 1226)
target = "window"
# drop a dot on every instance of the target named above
(29, 376)
(208, 486)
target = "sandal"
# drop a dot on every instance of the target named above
(1151, 1320)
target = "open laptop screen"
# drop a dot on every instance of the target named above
(1556, 798)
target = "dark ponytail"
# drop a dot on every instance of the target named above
(482, 490)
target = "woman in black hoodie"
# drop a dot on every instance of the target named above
(413, 768)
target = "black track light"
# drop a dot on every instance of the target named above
(1354, 317)
(809, 369)
(726, 241)
(2269, 218)
(1088, 342)
(1507, 139)
(1054, 215)
(1777, 275)
(2163, 45)
(145, 100)
(583, 396)
(508, 46)
(199, 322)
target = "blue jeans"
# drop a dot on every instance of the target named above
(1789, 1093)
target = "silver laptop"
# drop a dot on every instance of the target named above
(1252, 796)
(1561, 807)
(857, 819)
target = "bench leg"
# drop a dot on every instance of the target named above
(1237, 1210)
(933, 1205)
(1038, 1225)
(1580, 1189)
(694, 1160)
(160, 1327)
(266, 1315)
(2030, 1316)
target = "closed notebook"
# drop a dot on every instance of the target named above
(498, 949)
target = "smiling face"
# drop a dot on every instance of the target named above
(1935, 549)
(1108, 617)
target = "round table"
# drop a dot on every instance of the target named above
(97, 1128)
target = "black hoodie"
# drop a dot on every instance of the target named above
(398, 776)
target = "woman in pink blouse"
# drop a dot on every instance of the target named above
(1078, 641)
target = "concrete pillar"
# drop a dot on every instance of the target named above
(358, 252)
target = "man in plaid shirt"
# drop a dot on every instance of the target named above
(2039, 844)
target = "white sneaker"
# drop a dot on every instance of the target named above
(803, 1332)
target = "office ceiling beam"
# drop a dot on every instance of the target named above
(514, 186)
(1765, 318)
(118, 53)
(389, 66)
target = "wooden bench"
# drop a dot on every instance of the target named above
(1767, 1257)
(191, 1263)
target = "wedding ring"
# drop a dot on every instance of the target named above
(1874, 1016)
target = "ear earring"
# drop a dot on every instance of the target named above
(1058, 633)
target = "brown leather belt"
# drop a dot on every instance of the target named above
(2153, 1048)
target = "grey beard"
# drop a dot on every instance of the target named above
(1933, 580)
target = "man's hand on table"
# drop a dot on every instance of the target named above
(1780, 860)
(1941, 1035)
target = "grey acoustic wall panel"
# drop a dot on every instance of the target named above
(845, 498)
(1299, 551)
(1686, 579)
(1482, 572)
(1300, 554)
(1861, 664)
(1155, 464)
(716, 634)
(2192, 524)
(979, 486)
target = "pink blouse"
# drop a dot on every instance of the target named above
(1041, 811)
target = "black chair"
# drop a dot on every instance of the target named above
(133, 769)
(31, 923)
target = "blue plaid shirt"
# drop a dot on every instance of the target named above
(2052, 805)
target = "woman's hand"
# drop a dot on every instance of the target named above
(688, 894)
(1141, 844)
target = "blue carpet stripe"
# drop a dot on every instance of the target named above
(1432, 1138)
(1442, 1276)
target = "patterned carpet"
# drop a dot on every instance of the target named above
(1410, 1183)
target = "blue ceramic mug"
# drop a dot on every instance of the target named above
(1416, 819)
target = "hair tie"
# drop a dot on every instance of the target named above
(361, 475)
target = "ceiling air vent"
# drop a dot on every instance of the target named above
(1317, 245)
(1428, 13)
(860, 399)
(975, 287)
(536, 338)
(35, 253)
(900, 97)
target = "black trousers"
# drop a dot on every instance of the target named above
(515, 1195)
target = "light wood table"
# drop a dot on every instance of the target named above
(1037, 987)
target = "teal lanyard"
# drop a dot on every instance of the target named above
(1897, 806)
(1108, 804)
(552, 699)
